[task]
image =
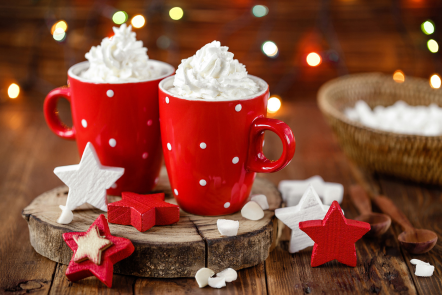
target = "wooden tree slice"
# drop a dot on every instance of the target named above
(177, 250)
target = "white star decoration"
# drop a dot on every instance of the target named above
(310, 207)
(87, 183)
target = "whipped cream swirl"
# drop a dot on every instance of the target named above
(212, 73)
(120, 58)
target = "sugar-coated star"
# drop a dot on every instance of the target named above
(335, 237)
(90, 246)
(143, 211)
(87, 182)
(120, 249)
(310, 207)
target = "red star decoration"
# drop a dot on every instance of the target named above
(143, 211)
(334, 236)
(121, 248)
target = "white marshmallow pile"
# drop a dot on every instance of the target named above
(292, 190)
(399, 118)
(204, 277)
(423, 269)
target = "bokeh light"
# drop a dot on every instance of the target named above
(120, 17)
(435, 81)
(399, 76)
(176, 13)
(13, 90)
(274, 104)
(59, 25)
(313, 59)
(138, 21)
(59, 34)
(270, 49)
(260, 10)
(428, 27)
(163, 42)
(433, 46)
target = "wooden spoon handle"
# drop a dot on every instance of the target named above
(360, 199)
(389, 208)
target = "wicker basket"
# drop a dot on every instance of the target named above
(414, 157)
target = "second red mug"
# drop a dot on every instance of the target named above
(121, 120)
(213, 148)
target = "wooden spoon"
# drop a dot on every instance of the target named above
(379, 222)
(416, 241)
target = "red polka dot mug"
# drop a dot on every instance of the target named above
(121, 120)
(213, 149)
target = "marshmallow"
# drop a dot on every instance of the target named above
(229, 274)
(202, 276)
(261, 200)
(217, 282)
(424, 270)
(252, 211)
(227, 227)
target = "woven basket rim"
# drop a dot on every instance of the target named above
(327, 108)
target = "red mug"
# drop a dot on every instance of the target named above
(213, 149)
(120, 119)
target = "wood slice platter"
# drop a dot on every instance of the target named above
(172, 251)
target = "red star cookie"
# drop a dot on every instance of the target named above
(117, 249)
(334, 237)
(143, 211)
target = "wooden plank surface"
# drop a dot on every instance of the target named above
(30, 152)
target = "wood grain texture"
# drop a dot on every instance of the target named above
(177, 250)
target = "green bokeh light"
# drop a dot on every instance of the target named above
(428, 27)
(260, 10)
(120, 17)
(433, 46)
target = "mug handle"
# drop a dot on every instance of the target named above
(51, 112)
(256, 161)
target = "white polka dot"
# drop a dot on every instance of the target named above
(235, 160)
(149, 123)
(175, 191)
(145, 155)
(110, 93)
(84, 123)
(112, 142)
(203, 182)
(238, 107)
(169, 146)
(203, 145)
(227, 205)
(114, 185)
(167, 99)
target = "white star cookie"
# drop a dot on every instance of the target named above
(310, 207)
(90, 246)
(87, 183)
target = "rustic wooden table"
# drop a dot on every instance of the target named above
(29, 152)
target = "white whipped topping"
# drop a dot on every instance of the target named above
(120, 58)
(212, 73)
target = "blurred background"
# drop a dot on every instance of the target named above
(294, 45)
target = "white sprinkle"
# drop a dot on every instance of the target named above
(84, 123)
(203, 182)
(112, 142)
(110, 93)
(169, 146)
(145, 155)
(227, 205)
(175, 191)
(167, 99)
(203, 145)
(149, 123)
(238, 107)
(114, 185)
(235, 160)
